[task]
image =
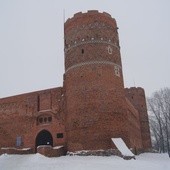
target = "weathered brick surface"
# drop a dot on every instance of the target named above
(50, 151)
(16, 151)
(20, 115)
(92, 106)
(137, 97)
(96, 104)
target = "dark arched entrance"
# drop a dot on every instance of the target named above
(44, 138)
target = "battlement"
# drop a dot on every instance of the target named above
(91, 29)
(138, 90)
(135, 88)
(89, 13)
(136, 96)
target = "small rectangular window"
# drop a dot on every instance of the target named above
(117, 70)
(18, 141)
(60, 135)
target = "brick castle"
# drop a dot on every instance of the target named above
(92, 106)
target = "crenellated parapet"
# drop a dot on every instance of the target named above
(91, 37)
(91, 13)
(77, 32)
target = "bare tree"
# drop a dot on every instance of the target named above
(159, 114)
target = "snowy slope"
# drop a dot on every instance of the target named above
(39, 162)
(121, 146)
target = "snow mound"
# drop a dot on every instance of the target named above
(145, 161)
(121, 146)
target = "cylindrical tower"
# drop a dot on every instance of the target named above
(93, 82)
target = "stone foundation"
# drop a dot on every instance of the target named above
(50, 151)
(108, 152)
(20, 151)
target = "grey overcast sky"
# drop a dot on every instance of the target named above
(31, 42)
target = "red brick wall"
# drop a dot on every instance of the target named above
(95, 101)
(19, 117)
(91, 108)
(50, 151)
(137, 97)
(133, 126)
(16, 151)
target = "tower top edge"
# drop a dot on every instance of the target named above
(89, 12)
(137, 89)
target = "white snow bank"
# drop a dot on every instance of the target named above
(121, 146)
(58, 147)
(39, 162)
(49, 146)
(44, 146)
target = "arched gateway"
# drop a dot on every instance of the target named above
(44, 137)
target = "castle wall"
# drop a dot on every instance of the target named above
(21, 117)
(134, 128)
(92, 106)
(137, 97)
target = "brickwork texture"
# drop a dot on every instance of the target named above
(92, 106)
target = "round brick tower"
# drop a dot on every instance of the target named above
(93, 82)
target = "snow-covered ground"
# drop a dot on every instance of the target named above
(146, 161)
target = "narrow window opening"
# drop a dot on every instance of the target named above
(82, 51)
(18, 141)
(45, 119)
(110, 50)
(49, 119)
(117, 71)
(60, 135)
(40, 119)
